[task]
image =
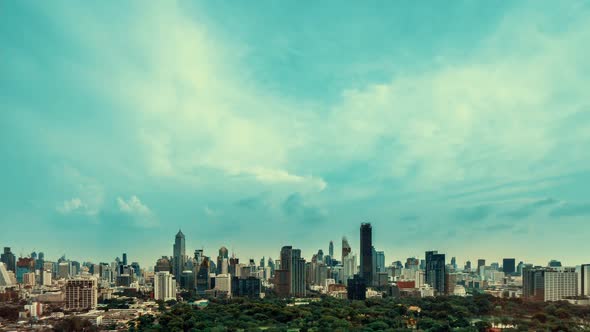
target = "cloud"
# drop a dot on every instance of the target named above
(529, 208)
(471, 214)
(139, 212)
(72, 205)
(254, 202)
(296, 208)
(571, 210)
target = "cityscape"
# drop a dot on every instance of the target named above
(55, 290)
(294, 166)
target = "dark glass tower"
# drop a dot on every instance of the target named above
(509, 266)
(178, 255)
(367, 253)
(435, 271)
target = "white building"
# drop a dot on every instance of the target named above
(46, 277)
(223, 283)
(5, 278)
(349, 267)
(164, 286)
(560, 284)
(35, 309)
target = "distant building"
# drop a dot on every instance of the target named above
(9, 259)
(435, 271)
(584, 281)
(246, 287)
(549, 284)
(163, 265)
(366, 252)
(164, 286)
(509, 266)
(81, 294)
(223, 283)
(5, 279)
(346, 249)
(357, 288)
(179, 255)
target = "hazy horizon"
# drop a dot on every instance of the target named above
(462, 127)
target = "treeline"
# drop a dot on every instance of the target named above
(475, 313)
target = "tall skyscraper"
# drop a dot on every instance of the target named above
(509, 266)
(380, 261)
(346, 249)
(454, 262)
(9, 259)
(124, 259)
(435, 271)
(81, 294)
(366, 253)
(164, 286)
(297, 274)
(480, 262)
(178, 255)
(331, 249)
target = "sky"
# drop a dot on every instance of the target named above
(458, 126)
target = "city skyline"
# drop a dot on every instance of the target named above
(459, 127)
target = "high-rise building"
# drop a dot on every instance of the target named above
(584, 281)
(124, 259)
(356, 288)
(380, 261)
(81, 294)
(163, 265)
(549, 284)
(203, 280)
(509, 266)
(346, 249)
(366, 253)
(24, 265)
(454, 262)
(9, 259)
(435, 271)
(164, 286)
(554, 263)
(331, 249)
(297, 274)
(480, 262)
(349, 267)
(179, 255)
(223, 255)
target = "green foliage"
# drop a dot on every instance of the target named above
(467, 314)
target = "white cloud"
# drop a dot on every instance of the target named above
(141, 213)
(72, 205)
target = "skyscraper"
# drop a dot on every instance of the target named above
(366, 253)
(331, 249)
(297, 274)
(346, 249)
(435, 271)
(178, 255)
(480, 262)
(223, 256)
(509, 266)
(9, 259)
(380, 261)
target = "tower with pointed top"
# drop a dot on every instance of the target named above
(179, 255)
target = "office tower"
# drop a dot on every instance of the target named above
(63, 270)
(519, 268)
(549, 284)
(9, 259)
(223, 254)
(187, 280)
(29, 279)
(346, 249)
(223, 283)
(412, 263)
(164, 286)
(178, 255)
(450, 283)
(331, 249)
(40, 261)
(24, 265)
(262, 262)
(124, 258)
(509, 266)
(480, 262)
(554, 263)
(435, 271)
(297, 274)
(81, 294)
(5, 279)
(321, 255)
(271, 264)
(584, 281)
(380, 261)
(349, 267)
(136, 269)
(75, 268)
(454, 262)
(203, 281)
(366, 253)
(246, 287)
(356, 288)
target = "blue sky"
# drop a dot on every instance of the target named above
(460, 126)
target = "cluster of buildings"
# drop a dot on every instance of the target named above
(78, 288)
